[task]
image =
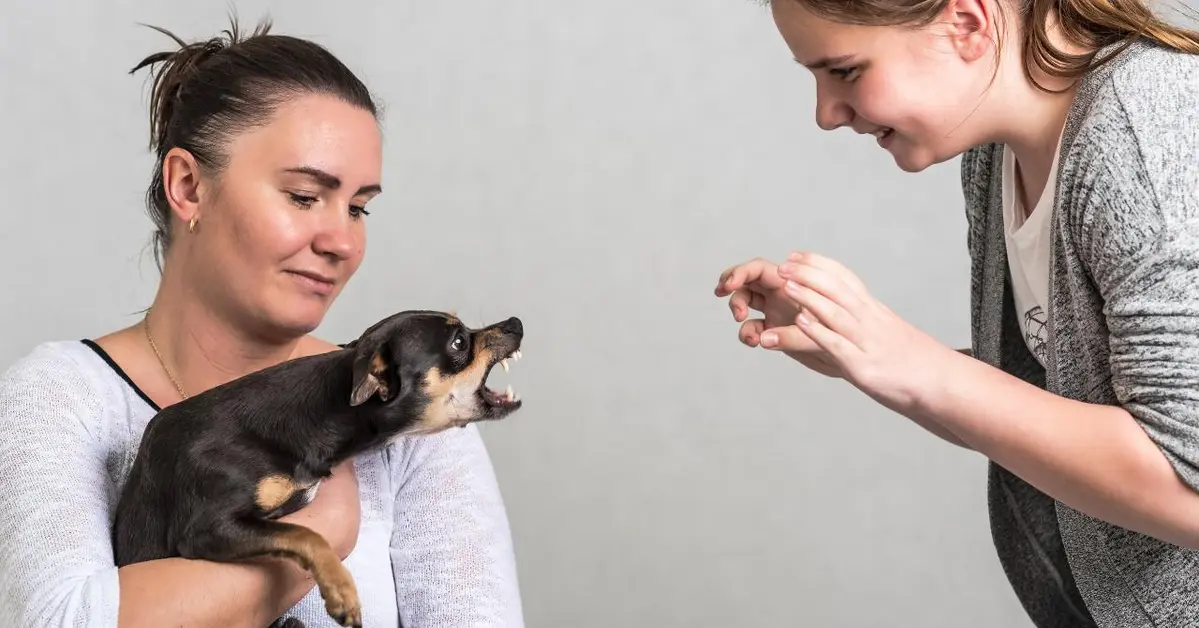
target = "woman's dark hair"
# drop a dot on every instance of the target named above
(206, 92)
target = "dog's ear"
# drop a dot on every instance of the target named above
(373, 374)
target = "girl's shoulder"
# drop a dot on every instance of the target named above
(1148, 99)
(1147, 70)
(1129, 175)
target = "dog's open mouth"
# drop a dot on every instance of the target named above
(507, 400)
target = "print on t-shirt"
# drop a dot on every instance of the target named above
(1034, 331)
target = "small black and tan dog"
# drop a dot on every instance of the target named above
(214, 472)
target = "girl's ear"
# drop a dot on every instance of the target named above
(973, 26)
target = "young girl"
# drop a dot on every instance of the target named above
(1078, 126)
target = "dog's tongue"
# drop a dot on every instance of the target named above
(508, 396)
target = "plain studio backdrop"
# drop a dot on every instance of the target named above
(590, 167)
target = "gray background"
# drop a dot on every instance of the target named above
(590, 167)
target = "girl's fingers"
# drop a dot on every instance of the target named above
(744, 300)
(754, 271)
(824, 310)
(830, 341)
(833, 267)
(751, 332)
(787, 338)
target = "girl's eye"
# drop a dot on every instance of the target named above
(302, 200)
(845, 74)
(358, 212)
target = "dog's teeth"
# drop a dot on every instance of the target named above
(504, 363)
(508, 394)
(516, 354)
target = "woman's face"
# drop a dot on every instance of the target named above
(283, 228)
(914, 90)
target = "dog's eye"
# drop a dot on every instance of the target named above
(458, 344)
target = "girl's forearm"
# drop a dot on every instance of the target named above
(1094, 458)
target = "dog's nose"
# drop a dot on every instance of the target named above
(513, 326)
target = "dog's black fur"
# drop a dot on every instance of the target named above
(214, 472)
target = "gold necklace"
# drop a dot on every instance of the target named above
(178, 386)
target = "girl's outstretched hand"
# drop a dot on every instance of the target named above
(869, 345)
(757, 285)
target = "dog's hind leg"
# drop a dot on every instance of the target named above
(235, 540)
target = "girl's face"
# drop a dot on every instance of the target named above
(915, 90)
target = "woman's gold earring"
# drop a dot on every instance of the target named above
(191, 224)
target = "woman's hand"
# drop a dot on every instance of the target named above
(335, 513)
(863, 340)
(758, 285)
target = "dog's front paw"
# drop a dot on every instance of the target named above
(341, 598)
(351, 617)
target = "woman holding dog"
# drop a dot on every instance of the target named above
(1077, 123)
(268, 153)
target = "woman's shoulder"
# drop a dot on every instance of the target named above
(423, 462)
(57, 361)
(311, 345)
(61, 380)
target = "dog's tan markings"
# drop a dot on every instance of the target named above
(313, 553)
(436, 386)
(452, 397)
(274, 491)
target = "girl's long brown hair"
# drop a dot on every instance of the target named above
(1091, 25)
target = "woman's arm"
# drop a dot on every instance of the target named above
(451, 547)
(56, 562)
(179, 592)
